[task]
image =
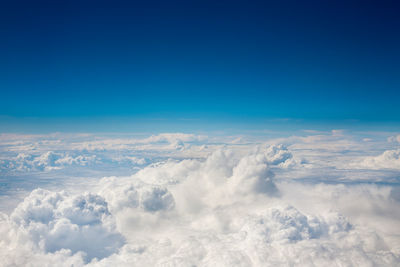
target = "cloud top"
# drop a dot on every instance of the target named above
(196, 201)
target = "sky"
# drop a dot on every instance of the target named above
(222, 60)
(199, 133)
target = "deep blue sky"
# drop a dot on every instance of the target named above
(311, 60)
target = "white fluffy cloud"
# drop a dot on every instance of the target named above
(52, 222)
(44, 162)
(196, 201)
(390, 159)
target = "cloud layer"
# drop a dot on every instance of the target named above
(205, 201)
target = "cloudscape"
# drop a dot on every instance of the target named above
(199, 133)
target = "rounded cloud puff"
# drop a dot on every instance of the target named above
(389, 159)
(52, 222)
(135, 194)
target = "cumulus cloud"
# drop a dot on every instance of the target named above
(279, 155)
(208, 204)
(25, 153)
(44, 162)
(53, 222)
(390, 159)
